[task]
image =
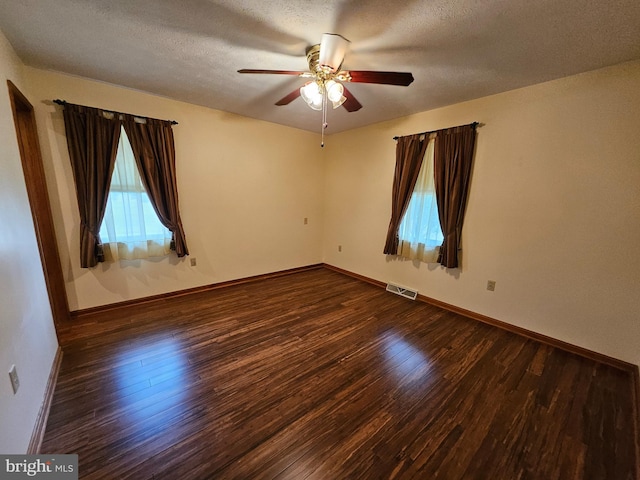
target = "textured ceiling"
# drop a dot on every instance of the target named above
(190, 50)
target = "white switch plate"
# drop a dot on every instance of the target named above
(15, 381)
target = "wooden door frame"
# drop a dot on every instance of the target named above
(33, 169)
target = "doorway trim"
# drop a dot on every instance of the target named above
(33, 169)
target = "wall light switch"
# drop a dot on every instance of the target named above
(15, 381)
(491, 285)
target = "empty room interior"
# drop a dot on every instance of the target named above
(380, 239)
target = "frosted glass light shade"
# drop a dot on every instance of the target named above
(338, 102)
(311, 93)
(334, 90)
(335, 93)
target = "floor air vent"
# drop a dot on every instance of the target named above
(402, 291)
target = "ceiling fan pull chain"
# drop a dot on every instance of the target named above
(324, 114)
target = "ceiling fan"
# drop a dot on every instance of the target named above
(326, 78)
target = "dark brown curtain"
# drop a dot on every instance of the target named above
(410, 151)
(93, 144)
(453, 156)
(153, 148)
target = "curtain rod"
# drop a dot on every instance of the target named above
(64, 102)
(475, 124)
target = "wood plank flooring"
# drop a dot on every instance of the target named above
(316, 375)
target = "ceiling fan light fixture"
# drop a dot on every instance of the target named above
(325, 63)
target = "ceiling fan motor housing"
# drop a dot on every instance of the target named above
(313, 58)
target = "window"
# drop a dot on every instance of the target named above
(420, 233)
(131, 228)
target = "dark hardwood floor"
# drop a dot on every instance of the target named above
(316, 375)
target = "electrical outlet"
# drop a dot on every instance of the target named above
(491, 285)
(193, 261)
(306, 220)
(339, 248)
(15, 381)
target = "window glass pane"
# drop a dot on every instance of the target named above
(130, 220)
(419, 232)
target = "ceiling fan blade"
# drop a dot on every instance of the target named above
(351, 104)
(402, 79)
(289, 98)
(333, 48)
(273, 72)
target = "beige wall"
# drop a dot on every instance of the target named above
(553, 214)
(245, 188)
(27, 335)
